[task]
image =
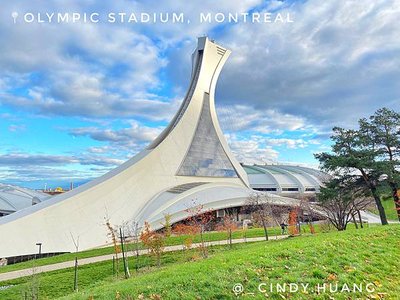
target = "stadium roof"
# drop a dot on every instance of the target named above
(14, 198)
(285, 178)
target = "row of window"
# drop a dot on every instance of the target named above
(284, 189)
(265, 189)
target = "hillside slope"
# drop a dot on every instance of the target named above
(365, 258)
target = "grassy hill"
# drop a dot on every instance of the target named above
(170, 241)
(365, 256)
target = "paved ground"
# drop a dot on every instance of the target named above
(373, 218)
(85, 261)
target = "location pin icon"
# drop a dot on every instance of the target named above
(15, 16)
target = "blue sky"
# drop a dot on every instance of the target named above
(76, 99)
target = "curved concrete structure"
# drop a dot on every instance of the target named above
(285, 179)
(14, 198)
(190, 161)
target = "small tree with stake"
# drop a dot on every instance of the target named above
(229, 225)
(277, 212)
(306, 208)
(188, 231)
(76, 244)
(153, 241)
(134, 231)
(113, 234)
(200, 219)
(124, 258)
(259, 205)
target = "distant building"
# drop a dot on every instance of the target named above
(56, 191)
(14, 198)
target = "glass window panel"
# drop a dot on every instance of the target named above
(206, 156)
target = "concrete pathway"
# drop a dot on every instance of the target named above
(95, 259)
(373, 218)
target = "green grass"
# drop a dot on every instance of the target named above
(173, 240)
(59, 283)
(354, 256)
(390, 209)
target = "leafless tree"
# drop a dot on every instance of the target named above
(76, 244)
(133, 229)
(341, 202)
(229, 225)
(279, 214)
(113, 234)
(308, 211)
(33, 283)
(200, 218)
(259, 205)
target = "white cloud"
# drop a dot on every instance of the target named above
(251, 151)
(28, 159)
(289, 143)
(331, 65)
(136, 134)
(96, 70)
(81, 70)
(244, 117)
(337, 62)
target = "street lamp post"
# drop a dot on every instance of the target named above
(40, 248)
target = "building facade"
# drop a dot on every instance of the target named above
(189, 164)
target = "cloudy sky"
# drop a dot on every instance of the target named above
(78, 99)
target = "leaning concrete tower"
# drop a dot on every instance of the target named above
(189, 161)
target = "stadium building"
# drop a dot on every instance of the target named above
(188, 164)
(285, 179)
(14, 198)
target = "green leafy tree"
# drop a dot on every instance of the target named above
(354, 153)
(383, 131)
